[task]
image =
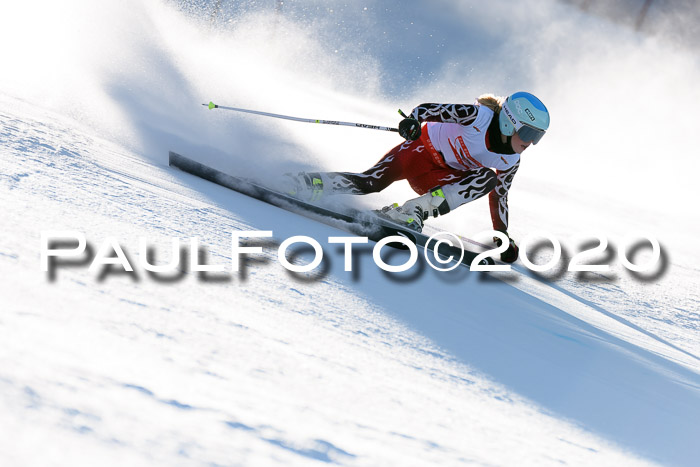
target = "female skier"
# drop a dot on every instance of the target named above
(459, 154)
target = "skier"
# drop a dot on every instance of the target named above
(448, 158)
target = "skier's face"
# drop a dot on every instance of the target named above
(518, 144)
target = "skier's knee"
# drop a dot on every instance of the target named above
(490, 180)
(368, 184)
(476, 184)
(368, 188)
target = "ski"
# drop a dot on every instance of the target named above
(362, 223)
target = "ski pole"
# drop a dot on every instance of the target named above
(211, 105)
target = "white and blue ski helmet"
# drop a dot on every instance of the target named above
(525, 114)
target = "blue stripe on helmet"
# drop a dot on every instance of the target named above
(532, 99)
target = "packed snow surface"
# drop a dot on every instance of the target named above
(362, 367)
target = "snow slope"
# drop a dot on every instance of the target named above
(363, 368)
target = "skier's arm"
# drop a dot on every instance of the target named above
(464, 114)
(498, 198)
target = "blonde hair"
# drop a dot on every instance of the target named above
(491, 101)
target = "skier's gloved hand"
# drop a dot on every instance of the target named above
(511, 254)
(409, 129)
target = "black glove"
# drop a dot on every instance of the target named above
(409, 129)
(511, 254)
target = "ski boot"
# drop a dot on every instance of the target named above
(303, 186)
(415, 211)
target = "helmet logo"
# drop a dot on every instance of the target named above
(529, 114)
(509, 115)
(518, 107)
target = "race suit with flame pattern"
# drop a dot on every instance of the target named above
(460, 149)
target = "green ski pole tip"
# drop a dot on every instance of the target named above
(211, 105)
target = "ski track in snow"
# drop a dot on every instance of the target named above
(268, 368)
